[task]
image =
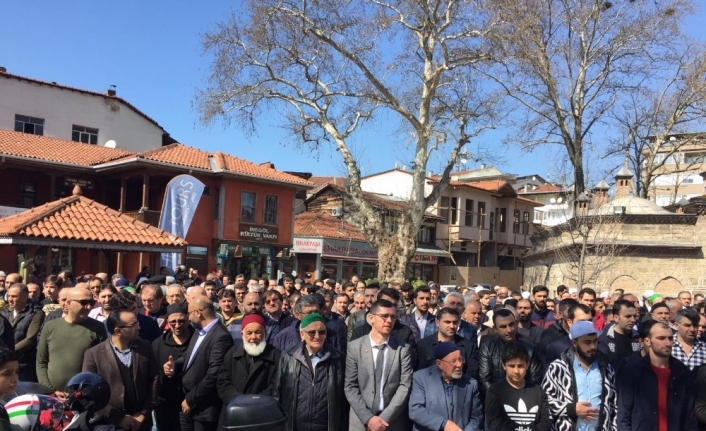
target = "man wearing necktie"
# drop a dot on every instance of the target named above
(379, 375)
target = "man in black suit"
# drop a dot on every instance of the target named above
(202, 362)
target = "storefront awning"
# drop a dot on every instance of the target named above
(429, 255)
(350, 258)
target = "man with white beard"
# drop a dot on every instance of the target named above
(249, 366)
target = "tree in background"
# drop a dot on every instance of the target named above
(654, 124)
(569, 63)
(330, 66)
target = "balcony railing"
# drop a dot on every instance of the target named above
(147, 216)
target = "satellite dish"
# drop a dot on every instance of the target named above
(559, 200)
(110, 144)
(552, 200)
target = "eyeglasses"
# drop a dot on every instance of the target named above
(85, 302)
(176, 322)
(271, 301)
(459, 361)
(320, 333)
(386, 316)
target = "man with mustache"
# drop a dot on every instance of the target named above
(580, 386)
(249, 367)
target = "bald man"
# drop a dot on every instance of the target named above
(194, 292)
(202, 361)
(64, 341)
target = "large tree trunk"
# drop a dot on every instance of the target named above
(394, 255)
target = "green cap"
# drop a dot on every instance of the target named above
(311, 318)
(653, 297)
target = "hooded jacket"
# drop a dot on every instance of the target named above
(170, 389)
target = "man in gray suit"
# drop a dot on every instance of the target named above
(379, 375)
(443, 398)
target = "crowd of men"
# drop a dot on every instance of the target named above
(357, 356)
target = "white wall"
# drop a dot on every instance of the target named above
(62, 108)
(394, 183)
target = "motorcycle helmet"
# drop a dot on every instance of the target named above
(88, 392)
(36, 413)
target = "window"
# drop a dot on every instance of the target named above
(444, 209)
(525, 223)
(426, 235)
(694, 158)
(247, 207)
(271, 202)
(28, 195)
(454, 211)
(26, 124)
(469, 213)
(503, 219)
(481, 215)
(86, 135)
(217, 204)
(516, 222)
(389, 221)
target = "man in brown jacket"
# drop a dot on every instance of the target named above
(127, 363)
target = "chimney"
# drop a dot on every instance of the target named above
(3, 69)
(482, 166)
(600, 194)
(111, 91)
(623, 181)
(581, 204)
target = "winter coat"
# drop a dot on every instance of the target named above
(606, 344)
(25, 329)
(543, 318)
(551, 334)
(560, 386)
(637, 397)
(234, 379)
(469, 351)
(170, 389)
(490, 363)
(326, 405)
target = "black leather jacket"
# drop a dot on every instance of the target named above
(490, 368)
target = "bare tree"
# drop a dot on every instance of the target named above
(330, 66)
(567, 62)
(654, 124)
(582, 248)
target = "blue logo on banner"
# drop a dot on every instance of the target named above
(180, 201)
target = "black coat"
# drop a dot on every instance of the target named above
(469, 351)
(171, 392)
(637, 397)
(293, 382)
(199, 378)
(6, 335)
(25, 329)
(234, 380)
(490, 367)
(551, 334)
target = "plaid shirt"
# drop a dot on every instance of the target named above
(697, 357)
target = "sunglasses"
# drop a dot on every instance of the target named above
(386, 316)
(320, 333)
(85, 302)
(176, 322)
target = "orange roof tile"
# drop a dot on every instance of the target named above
(178, 154)
(264, 170)
(492, 185)
(77, 218)
(322, 224)
(319, 181)
(56, 150)
(80, 90)
(542, 188)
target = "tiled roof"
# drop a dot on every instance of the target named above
(80, 219)
(178, 154)
(319, 181)
(80, 90)
(75, 153)
(56, 150)
(322, 224)
(491, 186)
(263, 170)
(542, 188)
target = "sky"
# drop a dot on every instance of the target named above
(151, 50)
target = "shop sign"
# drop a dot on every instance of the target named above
(424, 259)
(343, 249)
(245, 250)
(223, 251)
(258, 233)
(8, 211)
(81, 182)
(192, 249)
(308, 245)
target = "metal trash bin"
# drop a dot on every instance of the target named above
(254, 413)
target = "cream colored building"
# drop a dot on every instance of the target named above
(680, 160)
(630, 243)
